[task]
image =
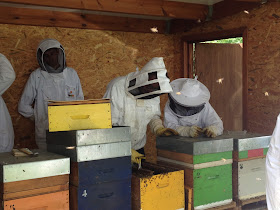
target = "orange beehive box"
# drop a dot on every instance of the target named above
(57, 201)
(33, 187)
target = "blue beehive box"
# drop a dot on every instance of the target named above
(105, 196)
(100, 175)
(98, 171)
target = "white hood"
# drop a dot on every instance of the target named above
(141, 78)
(45, 45)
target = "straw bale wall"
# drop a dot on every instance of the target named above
(97, 56)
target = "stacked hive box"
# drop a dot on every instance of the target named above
(79, 115)
(100, 158)
(157, 187)
(100, 166)
(207, 163)
(34, 182)
(249, 165)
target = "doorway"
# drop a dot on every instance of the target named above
(223, 69)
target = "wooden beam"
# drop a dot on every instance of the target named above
(36, 17)
(215, 35)
(181, 25)
(231, 7)
(245, 79)
(257, 1)
(159, 8)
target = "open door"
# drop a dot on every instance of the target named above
(219, 67)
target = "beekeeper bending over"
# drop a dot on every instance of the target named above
(188, 110)
(273, 170)
(135, 102)
(53, 80)
(7, 77)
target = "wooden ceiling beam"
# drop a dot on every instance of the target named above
(256, 1)
(231, 7)
(160, 8)
(181, 25)
(36, 17)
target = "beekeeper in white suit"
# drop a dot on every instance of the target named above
(7, 77)
(135, 102)
(188, 110)
(273, 170)
(53, 80)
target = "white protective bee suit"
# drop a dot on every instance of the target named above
(135, 109)
(188, 109)
(7, 77)
(273, 170)
(45, 84)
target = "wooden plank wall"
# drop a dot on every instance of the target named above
(263, 61)
(222, 61)
(97, 56)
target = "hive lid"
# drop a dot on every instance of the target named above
(24, 168)
(196, 146)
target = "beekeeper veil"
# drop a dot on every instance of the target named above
(150, 82)
(188, 97)
(44, 46)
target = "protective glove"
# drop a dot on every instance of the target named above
(166, 132)
(210, 131)
(136, 157)
(187, 131)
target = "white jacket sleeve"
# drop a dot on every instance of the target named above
(7, 74)
(211, 118)
(273, 169)
(115, 93)
(27, 98)
(156, 123)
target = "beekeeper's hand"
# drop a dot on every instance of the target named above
(136, 157)
(166, 132)
(210, 131)
(187, 131)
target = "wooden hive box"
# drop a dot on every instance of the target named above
(249, 165)
(79, 115)
(89, 145)
(33, 187)
(57, 200)
(100, 171)
(207, 163)
(100, 166)
(105, 196)
(101, 184)
(34, 180)
(249, 146)
(156, 187)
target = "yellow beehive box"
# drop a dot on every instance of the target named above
(79, 115)
(156, 187)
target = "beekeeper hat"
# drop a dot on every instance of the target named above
(189, 92)
(139, 79)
